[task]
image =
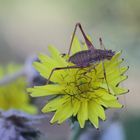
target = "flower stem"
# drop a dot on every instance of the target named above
(76, 131)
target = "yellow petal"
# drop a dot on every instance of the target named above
(67, 113)
(76, 107)
(45, 71)
(108, 97)
(92, 115)
(113, 104)
(119, 90)
(57, 56)
(45, 90)
(116, 72)
(63, 112)
(52, 105)
(100, 111)
(76, 46)
(116, 56)
(48, 64)
(119, 79)
(102, 94)
(83, 113)
(46, 59)
(41, 69)
(29, 108)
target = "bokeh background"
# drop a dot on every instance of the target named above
(27, 27)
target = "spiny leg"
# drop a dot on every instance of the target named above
(88, 42)
(61, 68)
(104, 71)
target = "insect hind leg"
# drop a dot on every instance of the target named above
(87, 41)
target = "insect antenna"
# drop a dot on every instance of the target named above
(101, 44)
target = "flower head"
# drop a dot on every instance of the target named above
(79, 92)
(13, 95)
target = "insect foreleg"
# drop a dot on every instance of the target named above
(61, 68)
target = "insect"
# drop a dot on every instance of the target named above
(88, 57)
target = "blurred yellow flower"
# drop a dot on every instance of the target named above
(13, 95)
(79, 94)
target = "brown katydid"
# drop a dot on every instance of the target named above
(86, 58)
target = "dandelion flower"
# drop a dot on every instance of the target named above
(13, 95)
(84, 96)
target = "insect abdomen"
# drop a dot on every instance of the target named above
(99, 55)
(81, 58)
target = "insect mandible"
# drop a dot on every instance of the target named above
(88, 57)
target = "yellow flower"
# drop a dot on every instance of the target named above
(79, 94)
(13, 95)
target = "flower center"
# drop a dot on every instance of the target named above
(80, 87)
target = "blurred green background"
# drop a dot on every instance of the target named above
(27, 27)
